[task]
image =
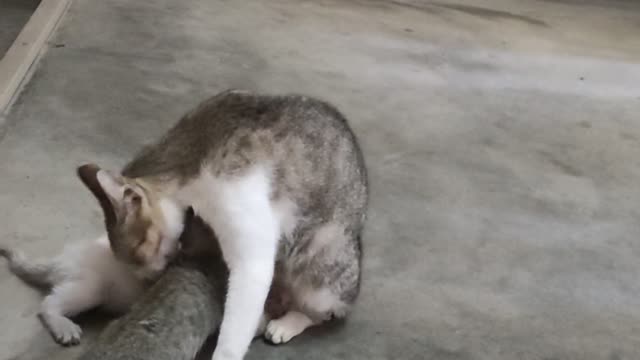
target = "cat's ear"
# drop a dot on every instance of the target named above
(122, 196)
(107, 188)
(189, 214)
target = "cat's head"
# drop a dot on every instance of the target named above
(143, 228)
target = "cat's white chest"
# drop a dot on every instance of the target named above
(239, 210)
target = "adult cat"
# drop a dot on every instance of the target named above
(280, 179)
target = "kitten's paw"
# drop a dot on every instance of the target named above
(64, 331)
(282, 330)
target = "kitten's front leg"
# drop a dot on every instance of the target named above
(68, 299)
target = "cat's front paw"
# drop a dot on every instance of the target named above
(282, 330)
(64, 331)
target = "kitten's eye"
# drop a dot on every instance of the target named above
(131, 198)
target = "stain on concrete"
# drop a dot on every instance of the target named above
(565, 167)
(492, 14)
(420, 6)
(584, 124)
(451, 60)
(615, 356)
(599, 3)
(628, 136)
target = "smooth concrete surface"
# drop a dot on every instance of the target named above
(13, 15)
(502, 139)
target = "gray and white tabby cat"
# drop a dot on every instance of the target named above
(282, 182)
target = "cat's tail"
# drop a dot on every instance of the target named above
(34, 273)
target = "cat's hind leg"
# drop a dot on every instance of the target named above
(293, 323)
(325, 282)
(68, 299)
(314, 307)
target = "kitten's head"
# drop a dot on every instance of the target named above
(143, 228)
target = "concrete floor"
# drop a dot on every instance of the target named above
(13, 15)
(502, 137)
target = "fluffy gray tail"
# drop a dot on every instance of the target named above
(36, 274)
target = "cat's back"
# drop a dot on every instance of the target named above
(237, 129)
(238, 111)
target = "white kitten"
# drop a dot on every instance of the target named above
(86, 275)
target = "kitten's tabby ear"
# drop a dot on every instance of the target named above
(104, 187)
